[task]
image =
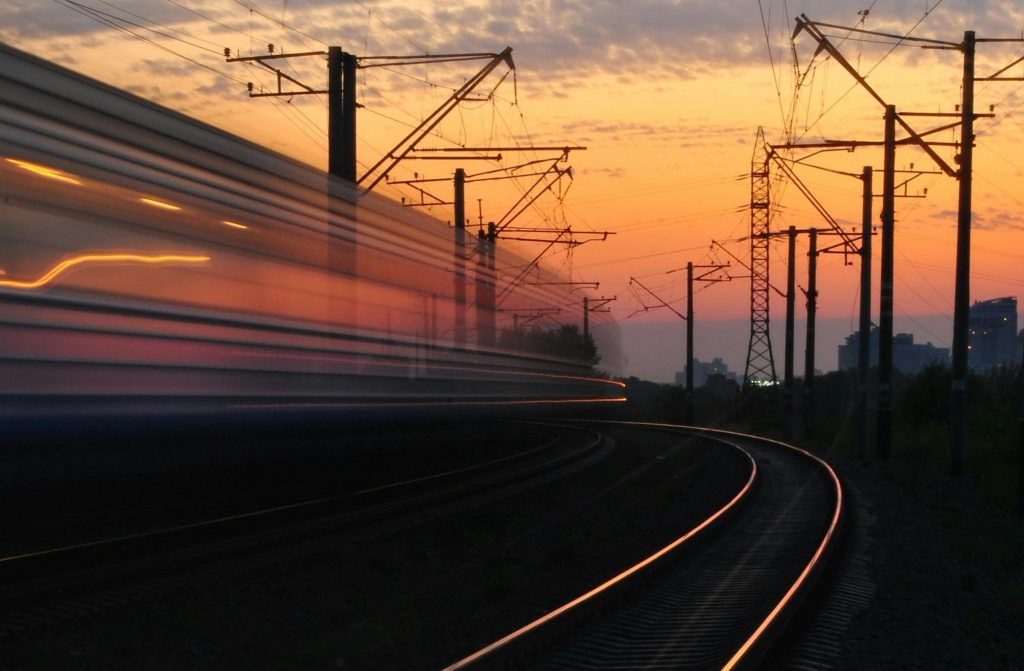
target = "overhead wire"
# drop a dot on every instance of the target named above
(287, 62)
(771, 57)
(309, 128)
(215, 46)
(810, 72)
(292, 113)
(252, 9)
(113, 22)
(884, 57)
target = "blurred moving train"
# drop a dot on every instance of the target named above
(152, 265)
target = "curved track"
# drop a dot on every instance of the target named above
(32, 578)
(710, 600)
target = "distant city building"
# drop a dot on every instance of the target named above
(907, 357)
(992, 334)
(703, 370)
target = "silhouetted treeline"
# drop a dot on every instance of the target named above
(563, 342)
(921, 441)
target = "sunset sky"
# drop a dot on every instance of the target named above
(666, 97)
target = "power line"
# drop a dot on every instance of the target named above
(927, 13)
(112, 22)
(212, 20)
(392, 29)
(771, 59)
(641, 257)
(112, 19)
(291, 113)
(279, 22)
(216, 47)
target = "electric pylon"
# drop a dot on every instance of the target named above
(760, 362)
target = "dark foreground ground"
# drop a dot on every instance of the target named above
(944, 576)
(948, 577)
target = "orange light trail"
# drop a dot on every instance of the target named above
(403, 365)
(51, 173)
(233, 224)
(447, 403)
(64, 265)
(159, 203)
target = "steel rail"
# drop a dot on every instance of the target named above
(74, 563)
(522, 643)
(263, 512)
(756, 641)
(537, 627)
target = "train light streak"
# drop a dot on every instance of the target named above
(159, 203)
(42, 170)
(335, 301)
(50, 275)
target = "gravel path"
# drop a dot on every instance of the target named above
(924, 587)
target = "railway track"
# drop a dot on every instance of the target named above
(714, 599)
(414, 587)
(43, 584)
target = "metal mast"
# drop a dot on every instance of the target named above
(760, 362)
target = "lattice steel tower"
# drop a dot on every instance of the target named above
(760, 362)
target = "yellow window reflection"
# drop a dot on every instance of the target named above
(44, 171)
(159, 203)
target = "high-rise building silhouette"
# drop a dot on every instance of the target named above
(702, 370)
(907, 356)
(992, 334)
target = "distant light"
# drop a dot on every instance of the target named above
(232, 224)
(763, 383)
(42, 170)
(159, 203)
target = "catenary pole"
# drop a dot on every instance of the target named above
(689, 342)
(491, 281)
(961, 298)
(885, 302)
(341, 114)
(586, 320)
(787, 381)
(864, 334)
(1020, 438)
(460, 257)
(812, 311)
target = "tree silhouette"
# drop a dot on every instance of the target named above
(563, 342)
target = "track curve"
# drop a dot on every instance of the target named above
(721, 604)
